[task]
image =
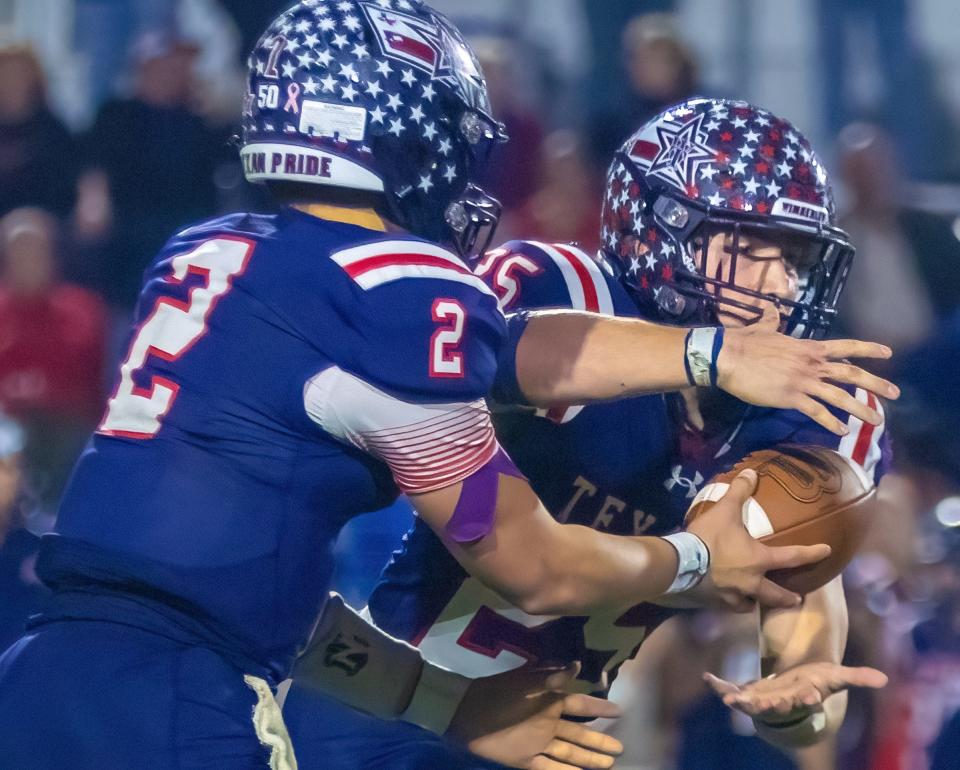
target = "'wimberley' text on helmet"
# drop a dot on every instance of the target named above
(383, 97)
(710, 166)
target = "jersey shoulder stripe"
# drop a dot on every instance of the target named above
(382, 262)
(529, 274)
(426, 446)
(585, 282)
(586, 289)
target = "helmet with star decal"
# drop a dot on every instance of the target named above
(377, 96)
(711, 166)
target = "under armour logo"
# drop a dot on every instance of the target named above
(676, 480)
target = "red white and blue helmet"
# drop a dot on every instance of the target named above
(381, 96)
(708, 166)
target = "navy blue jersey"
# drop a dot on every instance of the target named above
(630, 467)
(272, 358)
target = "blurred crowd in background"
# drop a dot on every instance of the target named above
(116, 118)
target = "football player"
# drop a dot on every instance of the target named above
(288, 372)
(715, 213)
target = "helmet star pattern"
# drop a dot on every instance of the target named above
(369, 95)
(720, 164)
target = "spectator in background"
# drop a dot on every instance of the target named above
(20, 589)
(872, 66)
(926, 421)
(52, 338)
(514, 170)
(152, 161)
(907, 269)
(103, 31)
(38, 158)
(661, 71)
(566, 205)
(917, 598)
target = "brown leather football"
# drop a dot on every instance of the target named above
(805, 495)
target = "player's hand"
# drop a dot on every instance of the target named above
(794, 693)
(738, 563)
(759, 365)
(516, 719)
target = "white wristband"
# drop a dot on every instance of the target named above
(701, 365)
(436, 699)
(693, 563)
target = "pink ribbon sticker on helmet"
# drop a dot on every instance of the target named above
(293, 93)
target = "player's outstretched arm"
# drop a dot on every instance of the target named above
(548, 568)
(514, 718)
(567, 357)
(801, 698)
(445, 456)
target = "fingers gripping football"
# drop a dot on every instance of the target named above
(738, 561)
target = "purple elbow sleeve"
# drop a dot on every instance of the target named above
(474, 515)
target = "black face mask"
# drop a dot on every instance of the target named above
(821, 261)
(821, 254)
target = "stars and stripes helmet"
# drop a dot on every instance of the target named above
(707, 166)
(382, 96)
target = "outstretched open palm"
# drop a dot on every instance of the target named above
(794, 692)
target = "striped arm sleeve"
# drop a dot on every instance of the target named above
(426, 446)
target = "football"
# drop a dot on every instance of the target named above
(805, 495)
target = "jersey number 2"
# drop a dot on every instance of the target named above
(171, 330)
(445, 359)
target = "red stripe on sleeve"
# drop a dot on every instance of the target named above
(586, 280)
(862, 447)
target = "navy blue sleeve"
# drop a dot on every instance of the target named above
(506, 386)
(528, 275)
(419, 326)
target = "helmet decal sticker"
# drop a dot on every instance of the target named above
(684, 150)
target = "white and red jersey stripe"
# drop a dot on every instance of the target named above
(426, 446)
(588, 291)
(585, 282)
(382, 262)
(862, 443)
